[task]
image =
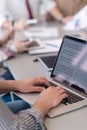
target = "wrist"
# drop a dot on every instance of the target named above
(9, 53)
(7, 86)
(42, 107)
(13, 48)
(14, 85)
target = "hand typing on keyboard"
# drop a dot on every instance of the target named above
(49, 98)
(41, 85)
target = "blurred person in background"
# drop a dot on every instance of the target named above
(10, 50)
(16, 12)
(68, 8)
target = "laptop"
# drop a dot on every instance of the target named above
(70, 72)
(47, 61)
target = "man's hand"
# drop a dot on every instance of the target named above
(22, 45)
(21, 25)
(29, 85)
(65, 20)
(24, 86)
(50, 98)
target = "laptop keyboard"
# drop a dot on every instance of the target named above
(72, 98)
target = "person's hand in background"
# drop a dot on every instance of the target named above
(17, 25)
(22, 45)
(21, 24)
(17, 47)
(66, 19)
(49, 17)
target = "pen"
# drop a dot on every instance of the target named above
(52, 45)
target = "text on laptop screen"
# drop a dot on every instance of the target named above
(71, 63)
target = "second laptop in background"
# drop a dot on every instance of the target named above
(47, 61)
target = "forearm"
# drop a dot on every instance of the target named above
(55, 12)
(7, 86)
(7, 24)
(4, 39)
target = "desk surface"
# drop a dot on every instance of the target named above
(23, 67)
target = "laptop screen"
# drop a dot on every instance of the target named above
(70, 67)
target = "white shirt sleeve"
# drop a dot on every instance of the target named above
(49, 4)
(4, 13)
(2, 20)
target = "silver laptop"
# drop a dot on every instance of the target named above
(70, 71)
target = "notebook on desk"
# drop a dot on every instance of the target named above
(50, 46)
(70, 72)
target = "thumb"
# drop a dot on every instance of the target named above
(38, 89)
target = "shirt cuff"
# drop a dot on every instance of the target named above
(12, 48)
(9, 53)
(34, 112)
